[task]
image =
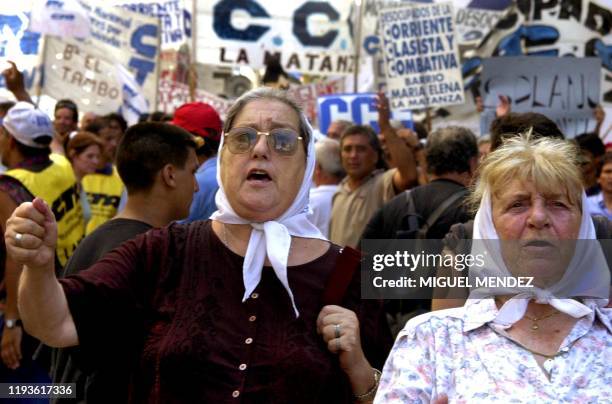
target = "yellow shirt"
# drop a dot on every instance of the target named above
(57, 186)
(104, 194)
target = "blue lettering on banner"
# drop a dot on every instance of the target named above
(62, 17)
(325, 111)
(187, 23)
(371, 44)
(222, 20)
(143, 66)
(357, 108)
(419, 42)
(137, 40)
(300, 24)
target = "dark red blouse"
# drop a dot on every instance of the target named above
(169, 305)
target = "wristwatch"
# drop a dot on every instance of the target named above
(12, 323)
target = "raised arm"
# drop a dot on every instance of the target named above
(402, 155)
(30, 238)
(15, 83)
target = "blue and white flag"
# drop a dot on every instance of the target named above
(134, 102)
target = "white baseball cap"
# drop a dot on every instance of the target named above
(28, 125)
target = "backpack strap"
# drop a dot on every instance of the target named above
(413, 216)
(435, 215)
(339, 280)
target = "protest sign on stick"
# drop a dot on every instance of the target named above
(357, 108)
(566, 90)
(421, 56)
(85, 70)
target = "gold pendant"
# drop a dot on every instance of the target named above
(535, 327)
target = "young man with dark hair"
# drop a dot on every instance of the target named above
(601, 203)
(592, 151)
(203, 121)
(157, 162)
(25, 136)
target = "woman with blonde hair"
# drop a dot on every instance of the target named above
(543, 337)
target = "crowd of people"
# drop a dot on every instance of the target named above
(190, 258)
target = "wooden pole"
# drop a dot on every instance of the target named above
(360, 7)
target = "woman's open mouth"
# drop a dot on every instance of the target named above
(258, 176)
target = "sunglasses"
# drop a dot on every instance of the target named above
(283, 141)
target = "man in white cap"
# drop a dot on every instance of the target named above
(25, 136)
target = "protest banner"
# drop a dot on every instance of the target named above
(175, 18)
(63, 18)
(307, 36)
(173, 94)
(85, 70)
(421, 56)
(307, 95)
(357, 108)
(472, 24)
(19, 45)
(566, 90)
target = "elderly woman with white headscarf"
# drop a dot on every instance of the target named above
(547, 339)
(225, 310)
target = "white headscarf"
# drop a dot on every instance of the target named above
(586, 276)
(272, 238)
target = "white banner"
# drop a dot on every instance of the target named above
(85, 70)
(308, 36)
(472, 25)
(563, 89)
(63, 18)
(174, 17)
(421, 56)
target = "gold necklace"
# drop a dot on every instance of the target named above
(534, 320)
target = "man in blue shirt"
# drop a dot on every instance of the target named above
(202, 120)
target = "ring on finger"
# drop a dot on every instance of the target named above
(337, 344)
(18, 238)
(337, 331)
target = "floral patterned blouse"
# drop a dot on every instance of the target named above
(460, 353)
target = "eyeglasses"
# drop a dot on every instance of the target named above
(283, 141)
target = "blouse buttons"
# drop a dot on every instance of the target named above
(252, 318)
(248, 341)
(242, 366)
(235, 394)
(254, 295)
